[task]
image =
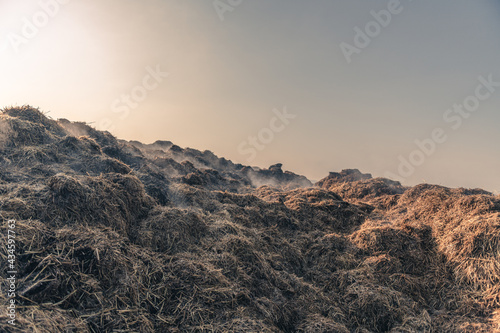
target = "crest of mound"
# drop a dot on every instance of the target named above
(27, 126)
(355, 186)
(26, 131)
(346, 175)
(33, 115)
(276, 177)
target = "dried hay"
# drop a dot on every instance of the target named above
(125, 237)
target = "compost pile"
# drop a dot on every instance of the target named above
(117, 236)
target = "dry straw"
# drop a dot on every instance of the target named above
(115, 236)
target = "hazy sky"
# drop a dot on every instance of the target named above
(233, 65)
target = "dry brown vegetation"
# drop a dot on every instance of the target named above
(116, 236)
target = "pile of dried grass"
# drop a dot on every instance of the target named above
(171, 230)
(28, 126)
(466, 226)
(355, 187)
(125, 237)
(114, 200)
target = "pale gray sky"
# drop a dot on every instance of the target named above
(226, 77)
